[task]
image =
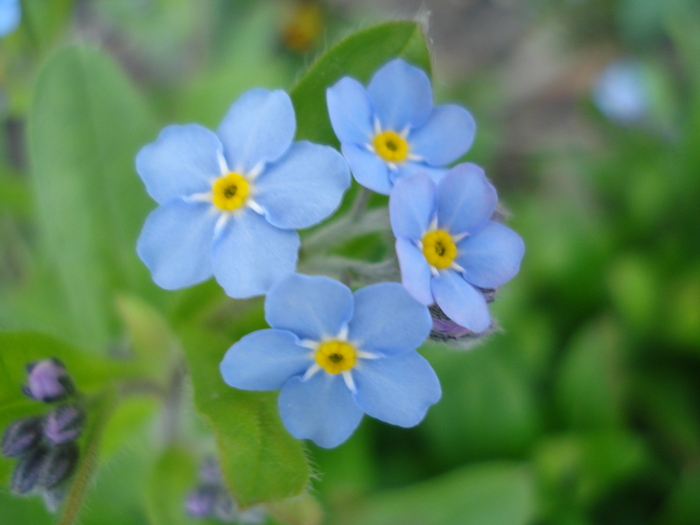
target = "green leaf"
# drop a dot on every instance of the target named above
(260, 460)
(85, 127)
(497, 493)
(174, 475)
(357, 56)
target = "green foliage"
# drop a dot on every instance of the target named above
(85, 127)
(174, 475)
(358, 56)
(260, 460)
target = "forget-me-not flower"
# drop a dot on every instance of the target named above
(230, 201)
(391, 129)
(10, 15)
(447, 245)
(336, 356)
(622, 91)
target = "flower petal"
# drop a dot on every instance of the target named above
(466, 199)
(10, 15)
(388, 320)
(321, 409)
(490, 257)
(415, 271)
(460, 301)
(264, 360)
(446, 136)
(409, 168)
(303, 187)
(368, 169)
(412, 206)
(258, 128)
(350, 111)
(401, 95)
(310, 307)
(175, 243)
(250, 255)
(182, 161)
(398, 390)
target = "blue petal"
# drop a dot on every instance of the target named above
(401, 95)
(258, 128)
(415, 271)
(303, 187)
(368, 169)
(183, 160)
(310, 307)
(466, 199)
(10, 15)
(409, 168)
(388, 320)
(491, 256)
(264, 360)
(446, 136)
(321, 409)
(398, 390)
(460, 301)
(412, 206)
(250, 255)
(350, 111)
(175, 243)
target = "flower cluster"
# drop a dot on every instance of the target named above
(46, 446)
(229, 205)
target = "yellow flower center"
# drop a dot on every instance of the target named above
(391, 147)
(439, 249)
(336, 356)
(230, 191)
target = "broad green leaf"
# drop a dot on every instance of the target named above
(497, 493)
(591, 383)
(260, 460)
(357, 56)
(85, 127)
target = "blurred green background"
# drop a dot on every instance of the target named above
(583, 408)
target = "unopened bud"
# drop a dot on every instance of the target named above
(209, 471)
(58, 466)
(225, 509)
(54, 497)
(21, 436)
(48, 381)
(64, 424)
(200, 502)
(445, 330)
(28, 470)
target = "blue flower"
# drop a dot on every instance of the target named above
(448, 248)
(231, 200)
(622, 91)
(337, 355)
(10, 14)
(391, 129)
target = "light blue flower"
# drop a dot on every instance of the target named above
(447, 245)
(337, 355)
(622, 91)
(230, 201)
(391, 129)
(10, 15)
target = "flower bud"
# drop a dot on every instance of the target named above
(21, 436)
(445, 330)
(28, 470)
(48, 381)
(225, 509)
(59, 464)
(54, 497)
(200, 502)
(209, 471)
(64, 424)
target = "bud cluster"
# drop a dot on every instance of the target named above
(211, 500)
(45, 446)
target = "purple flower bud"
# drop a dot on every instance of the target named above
(54, 497)
(21, 436)
(28, 470)
(225, 509)
(445, 330)
(48, 381)
(209, 471)
(64, 424)
(200, 502)
(59, 464)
